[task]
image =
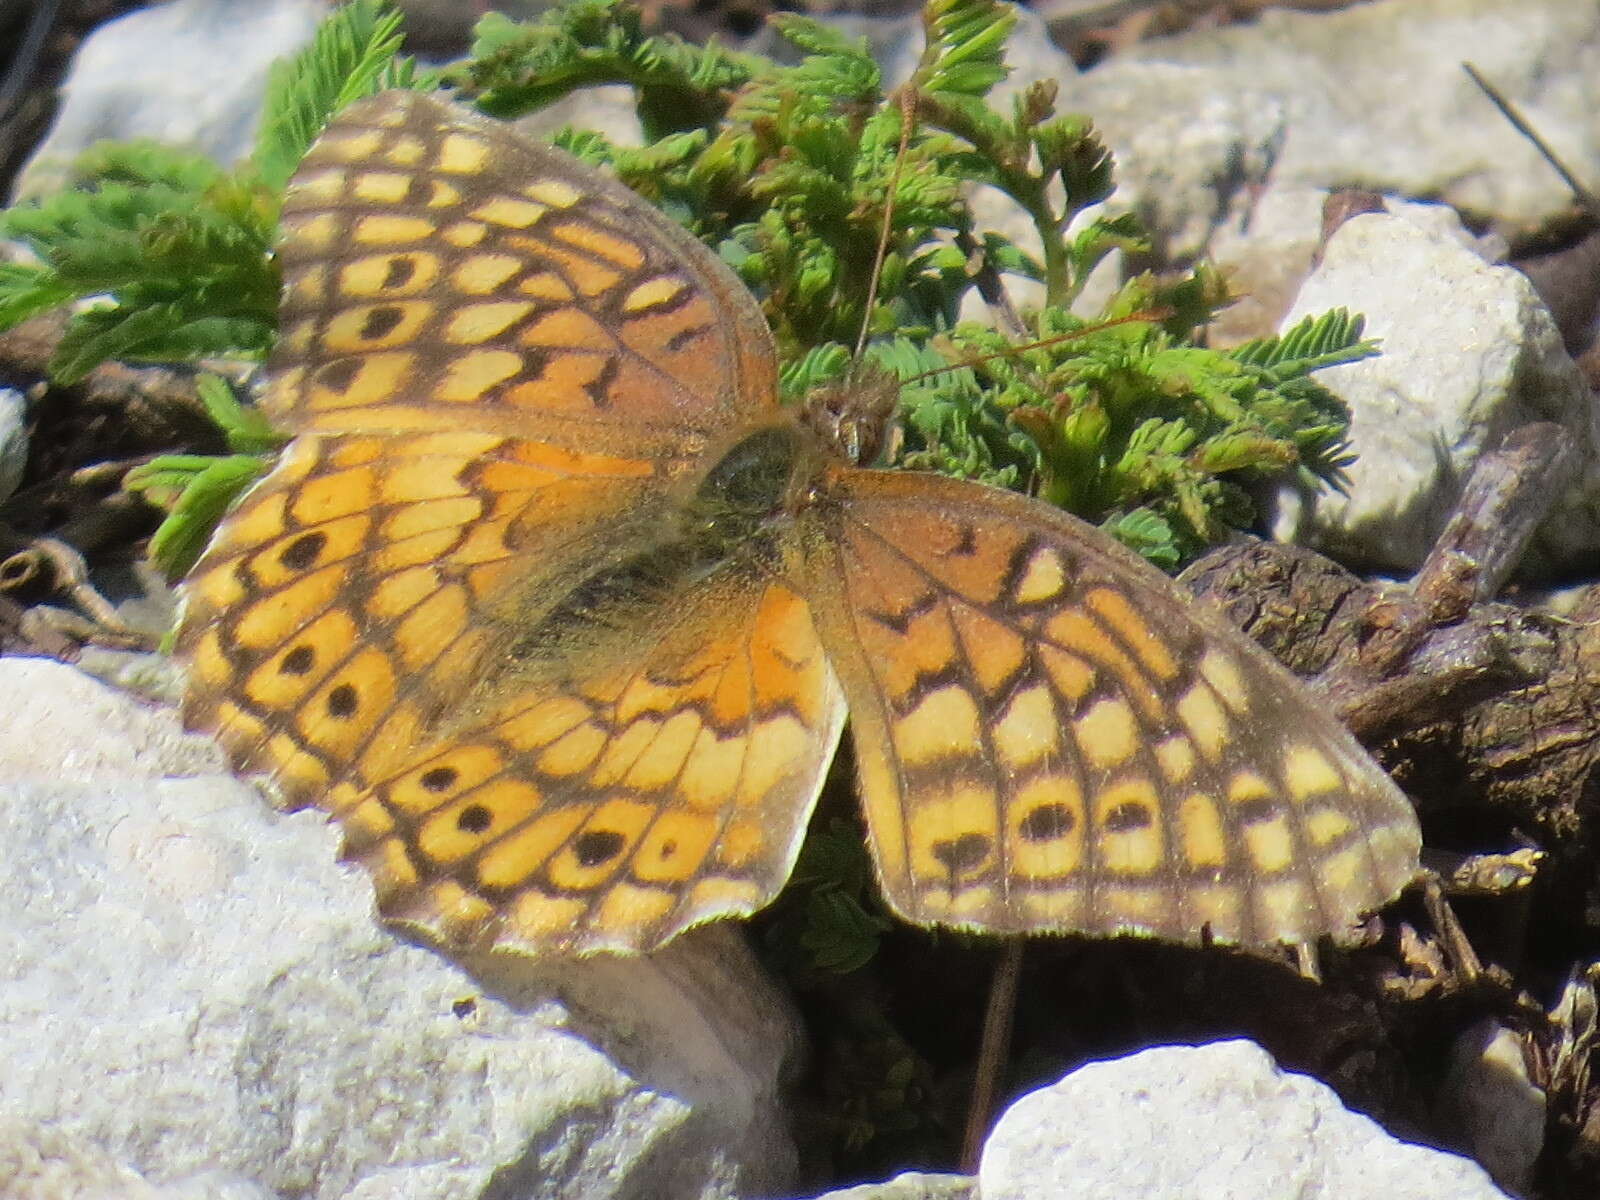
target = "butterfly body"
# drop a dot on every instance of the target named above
(732, 525)
(559, 613)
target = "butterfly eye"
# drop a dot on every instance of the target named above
(854, 419)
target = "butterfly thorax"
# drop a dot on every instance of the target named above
(729, 527)
(752, 487)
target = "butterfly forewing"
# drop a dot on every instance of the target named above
(442, 271)
(1051, 737)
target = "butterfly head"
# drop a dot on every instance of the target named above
(854, 417)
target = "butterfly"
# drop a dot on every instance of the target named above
(559, 613)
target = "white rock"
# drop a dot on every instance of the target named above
(1267, 252)
(607, 110)
(190, 73)
(189, 982)
(911, 1185)
(1370, 96)
(1215, 1122)
(1469, 353)
(40, 1162)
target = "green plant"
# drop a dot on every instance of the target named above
(196, 489)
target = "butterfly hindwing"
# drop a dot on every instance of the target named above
(622, 799)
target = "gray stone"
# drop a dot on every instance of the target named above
(1369, 96)
(1489, 1096)
(1469, 353)
(190, 982)
(1214, 1122)
(148, 674)
(1187, 147)
(189, 73)
(1266, 251)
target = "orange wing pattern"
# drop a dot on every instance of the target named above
(1051, 737)
(619, 803)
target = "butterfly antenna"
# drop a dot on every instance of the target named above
(907, 98)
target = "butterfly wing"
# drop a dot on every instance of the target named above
(442, 271)
(358, 593)
(598, 775)
(614, 805)
(1050, 736)
(506, 376)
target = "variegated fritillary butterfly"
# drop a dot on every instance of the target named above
(559, 613)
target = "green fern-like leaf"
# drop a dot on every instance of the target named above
(152, 332)
(1328, 340)
(196, 490)
(247, 431)
(515, 68)
(965, 47)
(154, 168)
(26, 291)
(829, 920)
(353, 55)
